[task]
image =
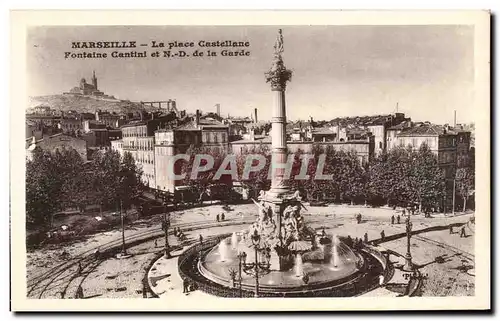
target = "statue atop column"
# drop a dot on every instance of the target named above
(278, 46)
(278, 75)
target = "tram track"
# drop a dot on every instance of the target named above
(41, 282)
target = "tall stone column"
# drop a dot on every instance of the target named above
(277, 198)
(278, 76)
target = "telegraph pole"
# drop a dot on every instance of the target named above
(454, 184)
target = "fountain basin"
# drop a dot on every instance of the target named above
(320, 273)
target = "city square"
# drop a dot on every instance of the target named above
(153, 201)
(105, 278)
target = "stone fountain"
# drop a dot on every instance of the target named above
(293, 249)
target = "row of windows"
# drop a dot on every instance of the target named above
(163, 151)
(135, 132)
(214, 137)
(145, 161)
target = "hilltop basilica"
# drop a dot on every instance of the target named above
(87, 89)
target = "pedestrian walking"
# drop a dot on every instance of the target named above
(156, 243)
(185, 285)
(222, 217)
(97, 254)
(392, 219)
(382, 235)
(399, 219)
(462, 232)
(451, 229)
(404, 212)
(217, 217)
(366, 237)
(201, 239)
(80, 269)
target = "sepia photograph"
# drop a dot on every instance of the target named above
(203, 162)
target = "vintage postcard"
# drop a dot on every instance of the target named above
(240, 161)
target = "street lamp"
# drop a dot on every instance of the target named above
(165, 226)
(408, 264)
(122, 177)
(257, 267)
(242, 256)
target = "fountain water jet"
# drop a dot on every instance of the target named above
(335, 252)
(223, 251)
(234, 241)
(299, 267)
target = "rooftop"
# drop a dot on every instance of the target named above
(428, 129)
(207, 122)
(366, 120)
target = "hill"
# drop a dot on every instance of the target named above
(87, 104)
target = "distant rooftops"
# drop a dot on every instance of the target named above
(428, 129)
(367, 120)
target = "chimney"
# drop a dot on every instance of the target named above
(455, 119)
(97, 115)
(152, 115)
(255, 115)
(197, 119)
(169, 105)
(217, 106)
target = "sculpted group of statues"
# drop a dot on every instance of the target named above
(293, 227)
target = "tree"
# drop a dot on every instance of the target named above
(76, 183)
(130, 184)
(353, 177)
(256, 181)
(406, 176)
(42, 188)
(105, 173)
(465, 183)
(54, 182)
(427, 184)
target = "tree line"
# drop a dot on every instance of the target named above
(62, 180)
(403, 176)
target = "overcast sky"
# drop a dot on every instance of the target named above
(338, 70)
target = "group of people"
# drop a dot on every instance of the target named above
(220, 217)
(398, 218)
(180, 234)
(356, 243)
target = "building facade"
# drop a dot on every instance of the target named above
(58, 142)
(450, 145)
(208, 133)
(138, 139)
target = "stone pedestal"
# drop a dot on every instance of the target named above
(279, 261)
(408, 263)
